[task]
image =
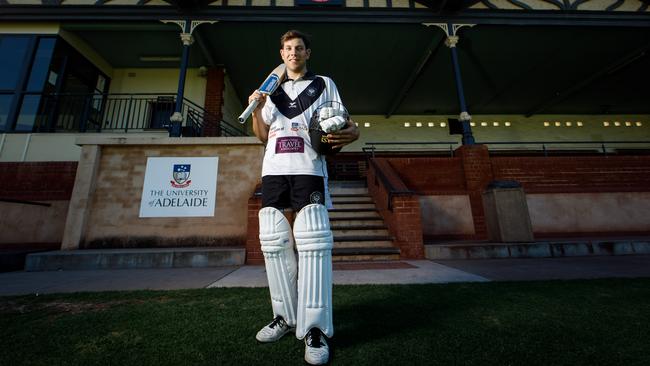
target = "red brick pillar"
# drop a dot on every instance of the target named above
(478, 173)
(408, 224)
(214, 101)
(253, 249)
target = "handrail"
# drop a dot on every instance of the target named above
(602, 144)
(560, 142)
(225, 126)
(371, 148)
(372, 145)
(25, 202)
(389, 187)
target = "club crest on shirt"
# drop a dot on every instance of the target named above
(311, 91)
(294, 126)
(316, 197)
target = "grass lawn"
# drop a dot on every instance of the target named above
(595, 322)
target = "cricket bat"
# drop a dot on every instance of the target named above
(269, 85)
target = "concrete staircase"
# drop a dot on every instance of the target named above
(359, 231)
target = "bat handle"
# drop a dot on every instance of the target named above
(247, 112)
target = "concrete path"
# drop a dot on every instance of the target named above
(21, 283)
(410, 272)
(400, 272)
(566, 268)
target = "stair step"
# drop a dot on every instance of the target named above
(352, 210)
(364, 254)
(363, 244)
(348, 183)
(363, 238)
(356, 215)
(354, 221)
(376, 224)
(348, 190)
(343, 223)
(359, 231)
(365, 258)
(351, 199)
(354, 206)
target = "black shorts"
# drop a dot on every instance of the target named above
(295, 191)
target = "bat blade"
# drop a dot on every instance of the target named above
(269, 86)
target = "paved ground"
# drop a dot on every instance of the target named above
(16, 283)
(402, 272)
(555, 268)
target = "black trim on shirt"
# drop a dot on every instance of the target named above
(292, 108)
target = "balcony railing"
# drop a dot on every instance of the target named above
(125, 112)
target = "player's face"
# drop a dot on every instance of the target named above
(295, 54)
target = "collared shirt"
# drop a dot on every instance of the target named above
(288, 112)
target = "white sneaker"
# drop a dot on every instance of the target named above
(317, 352)
(274, 331)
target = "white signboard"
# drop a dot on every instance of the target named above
(178, 187)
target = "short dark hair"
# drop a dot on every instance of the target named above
(295, 34)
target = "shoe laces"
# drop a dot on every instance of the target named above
(314, 338)
(278, 321)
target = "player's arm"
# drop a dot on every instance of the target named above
(260, 128)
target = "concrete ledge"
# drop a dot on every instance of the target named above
(138, 140)
(135, 258)
(536, 250)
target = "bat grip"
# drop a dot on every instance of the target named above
(247, 112)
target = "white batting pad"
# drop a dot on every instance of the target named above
(314, 241)
(280, 262)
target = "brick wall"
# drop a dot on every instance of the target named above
(473, 168)
(214, 101)
(403, 217)
(431, 175)
(591, 174)
(30, 226)
(113, 218)
(37, 181)
(254, 254)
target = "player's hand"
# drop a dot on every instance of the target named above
(345, 136)
(260, 97)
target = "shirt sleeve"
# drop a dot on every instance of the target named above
(333, 91)
(269, 111)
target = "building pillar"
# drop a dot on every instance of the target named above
(214, 101)
(187, 27)
(81, 200)
(451, 31)
(477, 169)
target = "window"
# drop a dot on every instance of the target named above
(33, 71)
(14, 51)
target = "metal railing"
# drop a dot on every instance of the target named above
(546, 147)
(409, 147)
(123, 112)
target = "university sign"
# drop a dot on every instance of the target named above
(179, 187)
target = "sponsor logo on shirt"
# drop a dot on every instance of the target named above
(291, 144)
(293, 105)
